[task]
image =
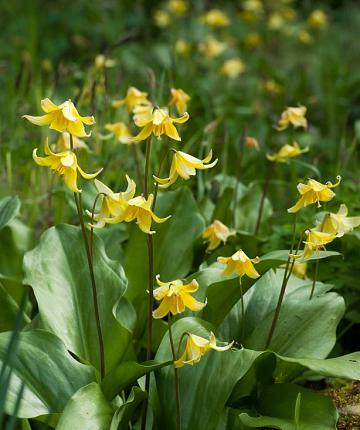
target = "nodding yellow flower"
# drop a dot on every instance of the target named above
(182, 47)
(159, 122)
(63, 163)
(196, 347)
(305, 37)
(175, 297)
(133, 98)
(240, 264)
(62, 118)
(287, 152)
(251, 142)
(162, 18)
(138, 208)
(232, 68)
(339, 223)
(120, 131)
(272, 87)
(318, 19)
(211, 47)
(113, 204)
(294, 116)
(179, 99)
(299, 270)
(215, 18)
(315, 242)
(314, 192)
(63, 143)
(184, 165)
(216, 233)
(178, 7)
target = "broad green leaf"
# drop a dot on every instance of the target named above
(126, 411)
(277, 409)
(50, 374)
(9, 208)
(87, 409)
(9, 309)
(57, 270)
(127, 373)
(173, 244)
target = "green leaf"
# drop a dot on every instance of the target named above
(127, 373)
(126, 411)
(9, 208)
(277, 406)
(87, 409)
(9, 310)
(51, 376)
(57, 270)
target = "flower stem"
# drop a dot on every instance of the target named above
(315, 279)
(163, 158)
(238, 171)
(177, 385)
(263, 196)
(134, 149)
(282, 291)
(79, 207)
(242, 311)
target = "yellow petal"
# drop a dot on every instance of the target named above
(88, 175)
(70, 178)
(39, 120)
(162, 310)
(48, 106)
(144, 133)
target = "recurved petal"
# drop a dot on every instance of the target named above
(191, 303)
(41, 161)
(181, 119)
(144, 133)
(39, 120)
(88, 175)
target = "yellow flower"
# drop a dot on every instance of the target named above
(211, 47)
(162, 18)
(62, 118)
(184, 165)
(294, 116)
(305, 37)
(314, 192)
(286, 152)
(120, 131)
(179, 99)
(113, 204)
(182, 47)
(315, 242)
(232, 68)
(272, 87)
(103, 62)
(339, 223)
(276, 21)
(175, 297)
(240, 264)
(318, 19)
(253, 40)
(215, 18)
(63, 163)
(134, 97)
(299, 270)
(216, 233)
(159, 122)
(196, 347)
(177, 6)
(251, 142)
(138, 208)
(63, 143)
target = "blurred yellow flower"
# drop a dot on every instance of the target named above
(175, 297)
(286, 152)
(215, 18)
(240, 264)
(314, 192)
(294, 116)
(276, 21)
(179, 99)
(232, 68)
(299, 270)
(162, 18)
(253, 40)
(318, 19)
(64, 117)
(178, 7)
(138, 208)
(112, 204)
(339, 223)
(305, 37)
(251, 142)
(120, 131)
(216, 233)
(184, 165)
(159, 122)
(134, 97)
(196, 347)
(63, 143)
(211, 47)
(102, 61)
(182, 47)
(272, 87)
(315, 242)
(64, 164)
